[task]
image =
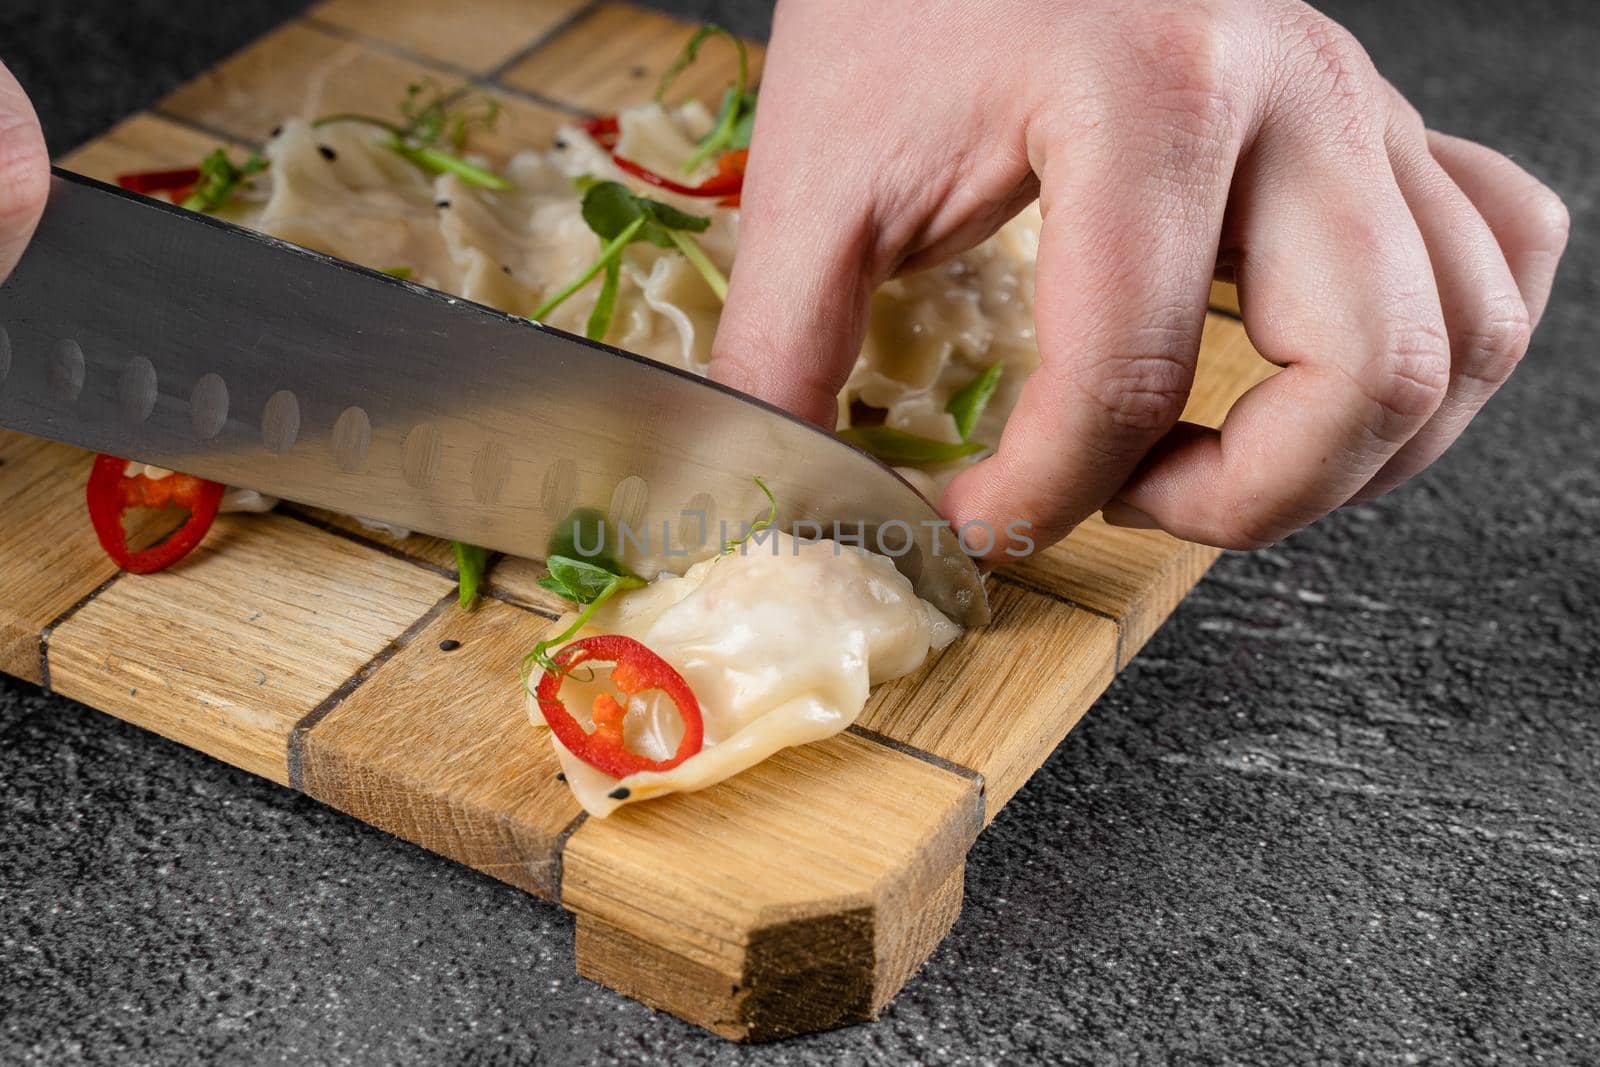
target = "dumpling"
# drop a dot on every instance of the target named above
(780, 642)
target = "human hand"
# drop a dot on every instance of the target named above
(24, 171)
(1394, 272)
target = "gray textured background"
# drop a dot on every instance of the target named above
(1345, 805)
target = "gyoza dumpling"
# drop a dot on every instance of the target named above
(780, 643)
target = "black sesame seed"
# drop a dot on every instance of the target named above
(327, 153)
(441, 203)
(619, 793)
(275, 131)
(449, 644)
(505, 269)
(561, 776)
(638, 72)
(561, 143)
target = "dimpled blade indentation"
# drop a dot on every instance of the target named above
(628, 502)
(560, 486)
(280, 422)
(208, 406)
(137, 390)
(420, 455)
(67, 371)
(352, 437)
(491, 469)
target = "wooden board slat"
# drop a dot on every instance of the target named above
(1137, 577)
(226, 652)
(299, 69)
(1225, 297)
(476, 37)
(798, 895)
(781, 900)
(143, 142)
(430, 551)
(1000, 700)
(49, 558)
(615, 55)
(473, 780)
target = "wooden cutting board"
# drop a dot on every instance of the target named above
(797, 896)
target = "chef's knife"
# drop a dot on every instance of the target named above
(170, 337)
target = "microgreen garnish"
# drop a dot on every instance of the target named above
(585, 583)
(435, 131)
(902, 449)
(471, 561)
(737, 114)
(619, 218)
(729, 547)
(967, 405)
(220, 179)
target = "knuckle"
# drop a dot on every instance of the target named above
(1331, 55)
(1141, 393)
(1183, 68)
(1492, 346)
(24, 169)
(1408, 376)
(1333, 77)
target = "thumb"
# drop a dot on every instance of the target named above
(24, 171)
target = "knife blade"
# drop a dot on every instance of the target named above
(170, 337)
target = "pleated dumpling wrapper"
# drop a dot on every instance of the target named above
(781, 642)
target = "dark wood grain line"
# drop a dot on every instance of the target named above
(558, 851)
(1021, 583)
(201, 127)
(390, 48)
(44, 634)
(309, 721)
(493, 76)
(930, 758)
(369, 542)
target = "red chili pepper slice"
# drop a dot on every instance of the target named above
(161, 181)
(604, 128)
(112, 494)
(636, 669)
(725, 184)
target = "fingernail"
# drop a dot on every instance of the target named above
(1117, 513)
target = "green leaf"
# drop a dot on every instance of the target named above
(403, 273)
(220, 179)
(575, 580)
(610, 208)
(554, 585)
(967, 405)
(585, 534)
(584, 581)
(901, 449)
(471, 561)
(619, 217)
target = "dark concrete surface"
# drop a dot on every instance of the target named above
(1346, 805)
